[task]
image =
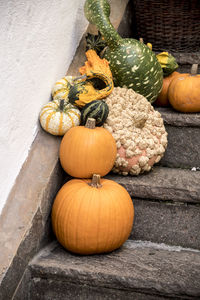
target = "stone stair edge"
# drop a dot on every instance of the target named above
(164, 184)
(163, 198)
(178, 119)
(160, 184)
(24, 225)
(153, 269)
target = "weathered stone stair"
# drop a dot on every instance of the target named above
(136, 271)
(161, 259)
(167, 206)
(183, 139)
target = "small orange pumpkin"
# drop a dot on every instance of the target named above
(86, 150)
(162, 99)
(184, 92)
(92, 216)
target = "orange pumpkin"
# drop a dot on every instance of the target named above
(86, 150)
(92, 216)
(162, 99)
(184, 92)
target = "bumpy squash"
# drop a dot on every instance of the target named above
(132, 63)
(95, 83)
(82, 90)
(98, 84)
(92, 216)
(58, 116)
(184, 92)
(138, 130)
(97, 110)
(86, 150)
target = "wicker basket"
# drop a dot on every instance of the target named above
(172, 25)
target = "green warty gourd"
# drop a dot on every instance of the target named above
(132, 63)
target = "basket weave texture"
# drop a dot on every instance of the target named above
(172, 25)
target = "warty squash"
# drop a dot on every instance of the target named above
(58, 116)
(86, 150)
(95, 83)
(138, 130)
(99, 83)
(184, 91)
(92, 216)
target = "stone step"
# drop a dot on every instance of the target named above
(163, 184)
(167, 205)
(135, 271)
(183, 139)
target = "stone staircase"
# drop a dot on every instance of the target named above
(161, 259)
(136, 271)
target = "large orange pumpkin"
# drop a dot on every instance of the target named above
(184, 92)
(92, 216)
(162, 99)
(86, 150)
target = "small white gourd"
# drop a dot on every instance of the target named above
(58, 116)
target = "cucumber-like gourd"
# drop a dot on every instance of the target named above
(132, 63)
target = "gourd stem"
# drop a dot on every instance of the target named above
(61, 105)
(194, 69)
(97, 12)
(96, 181)
(90, 123)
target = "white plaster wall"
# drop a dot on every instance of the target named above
(38, 39)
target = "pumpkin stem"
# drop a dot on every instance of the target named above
(90, 123)
(96, 181)
(61, 106)
(141, 40)
(194, 69)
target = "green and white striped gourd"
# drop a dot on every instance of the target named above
(58, 116)
(132, 63)
(97, 110)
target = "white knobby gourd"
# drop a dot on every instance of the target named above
(138, 130)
